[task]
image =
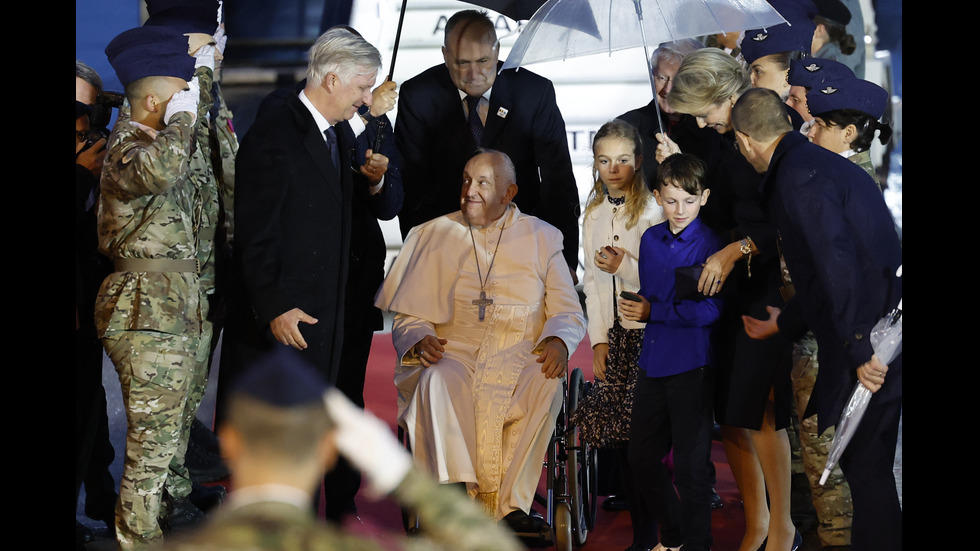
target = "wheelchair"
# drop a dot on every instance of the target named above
(571, 499)
(570, 473)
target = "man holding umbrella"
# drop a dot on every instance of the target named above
(840, 245)
(448, 111)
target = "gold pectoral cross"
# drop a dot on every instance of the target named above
(482, 302)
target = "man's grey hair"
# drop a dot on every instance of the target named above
(503, 167)
(674, 51)
(342, 52)
(88, 74)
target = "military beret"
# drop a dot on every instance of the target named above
(797, 37)
(150, 52)
(848, 93)
(282, 378)
(834, 10)
(187, 16)
(812, 71)
(81, 109)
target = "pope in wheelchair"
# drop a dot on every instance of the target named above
(486, 316)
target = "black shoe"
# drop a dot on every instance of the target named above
(716, 502)
(524, 524)
(204, 466)
(82, 534)
(204, 437)
(616, 503)
(533, 530)
(797, 542)
(206, 498)
(184, 514)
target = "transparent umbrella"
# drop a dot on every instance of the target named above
(562, 29)
(886, 339)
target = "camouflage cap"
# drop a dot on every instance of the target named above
(797, 37)
(852, 93)
(187, 16)
(150, 51)
(282, 378)
(813, 71)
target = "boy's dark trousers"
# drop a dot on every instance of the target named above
(675, 412)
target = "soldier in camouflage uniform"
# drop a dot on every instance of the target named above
(278, 438)
(157, 214)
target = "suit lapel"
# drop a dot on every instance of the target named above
(501, 107)
(316, 147)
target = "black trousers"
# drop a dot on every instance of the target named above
(341, 484)
(641, 516)
(675, 412)
(867, 463)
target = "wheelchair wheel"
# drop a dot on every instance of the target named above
(410, 520)
(563, 527)
(580, 466)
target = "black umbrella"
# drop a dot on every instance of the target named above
(518, 10)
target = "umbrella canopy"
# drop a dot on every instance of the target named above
(564, 28)
(518, 10)
(561, 29)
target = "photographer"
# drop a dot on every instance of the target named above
(93, 450)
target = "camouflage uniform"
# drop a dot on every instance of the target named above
(224, 145)
(450, 520)
(832, 500)
(158, 203)
(863, 160)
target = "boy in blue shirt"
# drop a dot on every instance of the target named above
(672, 404)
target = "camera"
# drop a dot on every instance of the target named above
(100, 116)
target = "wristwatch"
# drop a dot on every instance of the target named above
(365, 112)
(745, 247)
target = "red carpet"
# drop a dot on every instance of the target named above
(612, 531)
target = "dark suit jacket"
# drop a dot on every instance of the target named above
(292, 235)
(523, 121)
(842, 250)
(705, 143)
(368, 249)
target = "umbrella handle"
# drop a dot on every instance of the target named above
(398, 36)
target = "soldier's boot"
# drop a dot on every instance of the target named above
(180, 515)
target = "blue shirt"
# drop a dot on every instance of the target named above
(677, 336)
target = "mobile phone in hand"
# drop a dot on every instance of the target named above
(611, 250)
(631, 296)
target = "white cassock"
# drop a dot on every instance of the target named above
(485, 412)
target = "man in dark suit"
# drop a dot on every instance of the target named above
(296, 184)
(516, 112)
(842, 251)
